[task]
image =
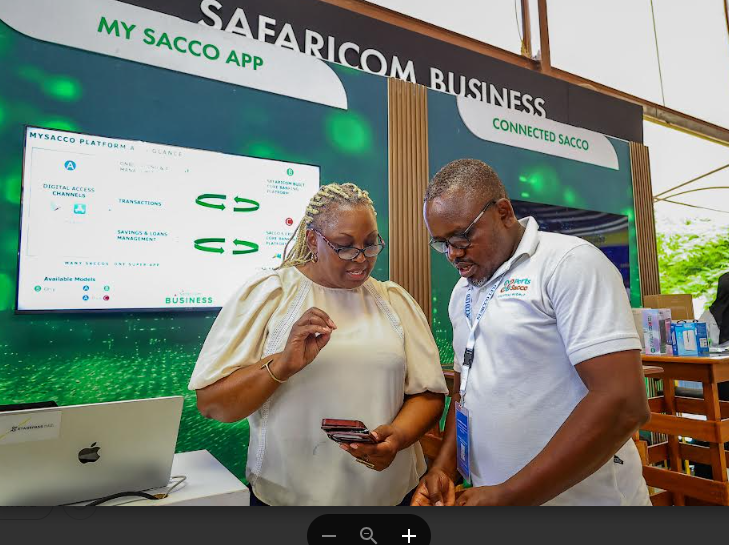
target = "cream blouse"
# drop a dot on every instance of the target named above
(381, 351)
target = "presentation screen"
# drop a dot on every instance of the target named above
(609, 232)
(110, 224)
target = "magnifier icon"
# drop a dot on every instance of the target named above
(366, 534)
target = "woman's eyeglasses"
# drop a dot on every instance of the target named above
(460, 240)
(350, 253)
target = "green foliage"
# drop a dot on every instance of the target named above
(689, 263)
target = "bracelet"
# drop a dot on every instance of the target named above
(274, 377)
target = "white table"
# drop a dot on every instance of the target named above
(208, 483)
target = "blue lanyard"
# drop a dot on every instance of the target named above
(469, 352)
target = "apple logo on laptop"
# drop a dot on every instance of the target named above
(89, 454)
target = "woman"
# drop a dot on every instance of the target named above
(717, 324)
(318, 338)
(717, 317)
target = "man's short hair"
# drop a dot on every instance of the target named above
(470, 174)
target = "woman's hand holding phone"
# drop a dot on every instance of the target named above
(380, 454)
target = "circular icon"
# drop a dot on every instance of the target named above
(106, 288)
(37, 288)
(366, 534)
(289, 221)
(290, 172)
(86, 298)
(106, 297)
(86, 288)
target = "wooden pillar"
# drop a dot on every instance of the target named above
(408, 178)
(526, 30)
(645, 224)
(545, 55)
(669, 392)
(713, 412)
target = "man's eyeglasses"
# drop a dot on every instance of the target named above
(459, 240)
(350, 253)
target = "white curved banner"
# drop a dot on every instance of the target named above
(141, 35)
(521, 130)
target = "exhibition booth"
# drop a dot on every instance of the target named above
(152, 159)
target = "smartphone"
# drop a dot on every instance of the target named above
(347, 431)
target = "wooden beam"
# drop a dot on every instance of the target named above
(657, 453)
(653, 111)
(696, 453)
(652, 371)
(679, 371)
(688, 427)
(685, 123)
(720, 373)
(645, 223)
(714, 360)
(723, 431)
(657, 404)
(713, 413)
(545, 55)
(408, 178)
(674, 456)
(662, 499)
(526, 30)
(693, 502)
(687, 485)
(692, 405)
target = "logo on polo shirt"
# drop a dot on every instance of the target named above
(515, 287)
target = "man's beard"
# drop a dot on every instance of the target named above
(473, 282)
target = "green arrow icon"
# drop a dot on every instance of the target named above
(202, 198)
(251, 247)
(199, 245)
(254, 205)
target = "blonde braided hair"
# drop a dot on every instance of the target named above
(321, 204)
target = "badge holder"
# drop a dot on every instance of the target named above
(462, 442)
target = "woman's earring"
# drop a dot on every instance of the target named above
(315, 258)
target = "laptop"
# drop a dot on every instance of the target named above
(61, 455)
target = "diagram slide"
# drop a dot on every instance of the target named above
(111, 224)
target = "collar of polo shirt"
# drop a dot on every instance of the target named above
(527, 246)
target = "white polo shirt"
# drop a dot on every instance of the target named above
(560, 303)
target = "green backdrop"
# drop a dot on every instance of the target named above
(528, 176)
(93, 358)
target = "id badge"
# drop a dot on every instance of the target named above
(462, 442)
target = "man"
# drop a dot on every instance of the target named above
(554, 389)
